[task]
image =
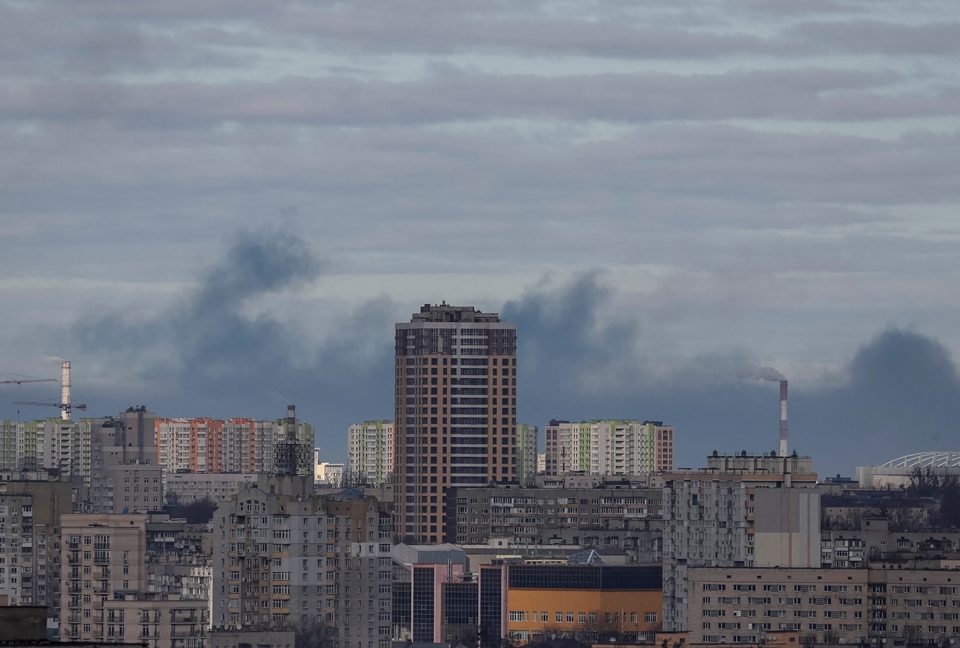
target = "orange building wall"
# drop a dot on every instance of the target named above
(586, 601)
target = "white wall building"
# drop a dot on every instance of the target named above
(609, 447)
(370, 452)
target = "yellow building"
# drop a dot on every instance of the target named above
(589, 602)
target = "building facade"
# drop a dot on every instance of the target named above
(106, 595)
(455, 419)
(238, 445)
(890, 603)
(597, 603)
(29, 537)
(611, 515)
(528, 443)
(54, 445)
(284, 558)
(187, 488)
(609, 447)
(370, 452)
(740, 512)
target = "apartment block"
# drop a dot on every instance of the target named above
(29, 538)
(609, 447)
(105, 595)
(894, 604)
(187, 488)
(610, 515)
(286, 558)
(528, 443)
(124, 474)
(456, 406)
(740, 511)
(59, 447)
(238, 445)
(370, 452)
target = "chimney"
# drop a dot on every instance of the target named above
(65, 391)
(783, 418)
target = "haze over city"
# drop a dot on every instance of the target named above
(219, 209)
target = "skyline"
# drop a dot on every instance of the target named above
(220, 209)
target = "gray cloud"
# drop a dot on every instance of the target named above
(899, 393)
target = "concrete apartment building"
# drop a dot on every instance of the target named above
(29, 539)
(286, 558)
(625, 516)
(370, 452)
(456, 405)
(105, 594)
(187, 488)
(609, 447)
(238, 445)
(54, 445)
(890, 603)
(125, 475)
(741, 511)
(528, 443)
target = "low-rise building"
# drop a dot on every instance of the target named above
(903, 603)
(594, 603)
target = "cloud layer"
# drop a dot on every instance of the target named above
(759, 184)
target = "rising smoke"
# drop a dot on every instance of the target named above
(899, 393)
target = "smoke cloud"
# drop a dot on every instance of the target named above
(899, 393)
(207, 357)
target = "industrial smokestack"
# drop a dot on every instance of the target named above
(783, 418)
(65, 391)
(291, 423)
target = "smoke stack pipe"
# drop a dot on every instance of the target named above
(783, 418)
(65, 391)
(291, 423)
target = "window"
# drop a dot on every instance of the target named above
(651, 617)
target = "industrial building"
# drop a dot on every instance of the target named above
(456, 406)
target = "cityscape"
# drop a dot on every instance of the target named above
(479, 324)
(452, 524)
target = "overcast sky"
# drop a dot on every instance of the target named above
(216, 208)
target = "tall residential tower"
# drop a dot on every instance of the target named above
(456, 408)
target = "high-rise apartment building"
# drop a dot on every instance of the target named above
(741, 511)
(370, 452)
(59, 447)
(107, 594)
(527, 446)
(125, 476)
(29, 537)
(238, 445)
(456, 407)
(609, 447)
(286, 558)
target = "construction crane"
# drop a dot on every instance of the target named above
(66, 406)
(27, 380)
